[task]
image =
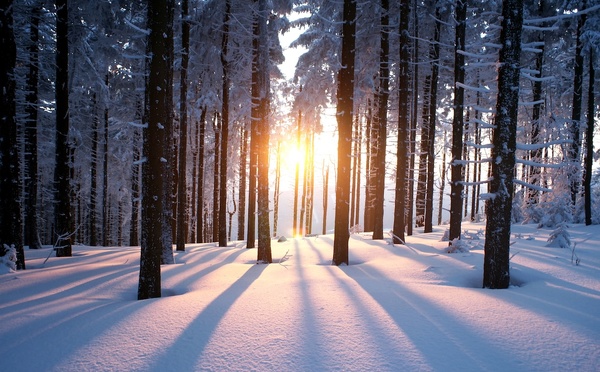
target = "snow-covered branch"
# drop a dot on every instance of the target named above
(532, 186)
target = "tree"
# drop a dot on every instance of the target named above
(154, 149)
(499, 203)
(261, 98)
(222, 233)
(181, 234)
(403, 125)
(383, 95)
(63, 218)
(589, 142)
(344, 113)
(31, 237)
(10, 214)
(456, 187)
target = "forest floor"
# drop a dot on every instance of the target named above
(403, 307)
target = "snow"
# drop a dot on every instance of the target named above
(403, 307)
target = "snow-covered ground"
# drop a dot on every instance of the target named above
(394, 308)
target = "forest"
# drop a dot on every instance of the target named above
(162, 123)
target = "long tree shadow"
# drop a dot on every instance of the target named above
(438, 342)
(198, 333)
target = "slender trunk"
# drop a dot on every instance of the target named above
(276, 190)
(435, 58)
(574, 153)
(443, 182)
(217, 124)
(403, 125)
(200, 218)
(94, 177)
(63, 218)
(325, 196)
(344, 111)
(31, 237)
(589, 138)
(182, 215)
(369, 186)
(105, 197)
(224, 129)
(422, 179)
(383, 95)
(295, 226)
(243, 182)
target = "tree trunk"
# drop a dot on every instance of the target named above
(31, 237)
(325, 196)
(263, 100)
(457, 171)
(63, 219)
(574, 153)
(423, 154)
(154, 149)
(589, 138)
(182, 220)
(412, 128)
(10, 208)
(295, 226)
(383, 95)
(435, 59)
(499, 204)
(276, 191)
(217, 124)
(369, 181)
(105, 197)
(443, 182)
(224, 129)
(243, 183)
(344, 114)
(200, 231)
(94, 177)
(403, 125)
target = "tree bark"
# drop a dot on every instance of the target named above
(200, 231)
(403, 125)
(263, 100)
(31, 237)
(345, 113)
(243, 183)
(63, 219)
(457, 168)
(499, 204)
(589, 138)
(10, 208)
(224, 129)
(383, 95)
(574, 151)
(154, 148)
(182, 220)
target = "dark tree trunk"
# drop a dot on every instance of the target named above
(182, 215)
(383, 95)
(403, 125)
(105, 197)
(224, 130)
(443, 183)
(369, 181)
(412, 128)
(243, 183)
(435, 59)
(200, 197)
(345, 113)
(63, 218)
(499, 205)
(154, 148)
(10, 207)
(423, 154)
(589, 138)
(94, 178)
(574, 153)
(217, 124)
(457, 171)
(31, 237)
(170, 165)
(262, 98)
